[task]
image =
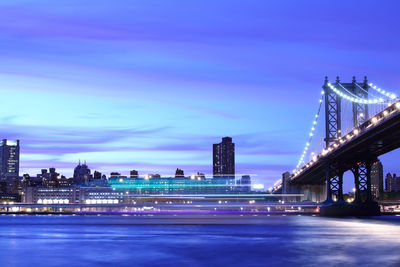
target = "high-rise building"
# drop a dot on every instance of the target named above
(81, 173)
(9, 158)
(376, 179)
(392, 183)
(224, 158)
(9, 169)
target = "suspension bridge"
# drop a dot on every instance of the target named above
(362, 122)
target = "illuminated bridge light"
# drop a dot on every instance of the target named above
(354, 98)
(374, 120)
(398, 105)
(356, 131)
(383, 92)
(311, 134)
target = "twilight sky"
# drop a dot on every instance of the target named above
(151, 85)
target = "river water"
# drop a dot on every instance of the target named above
(33, 240)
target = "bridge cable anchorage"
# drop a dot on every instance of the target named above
(354, 98)
(311, 134)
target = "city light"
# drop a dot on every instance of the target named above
(383, 92)
(257, 186)
(354, 98)
(311, 134)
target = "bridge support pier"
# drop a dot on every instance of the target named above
(363, 205)
(350, 209)
(334, 183)
(362, 180)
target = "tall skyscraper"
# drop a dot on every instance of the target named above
(224, 158)
(9, 158)
(377, 179)
(81, 173)
(9, 169)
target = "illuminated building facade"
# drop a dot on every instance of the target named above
(117, 190)
(101, 195)
(196, 184)
(224, 158)
(43, 195)
(376, 179)
(9, 158)
(72, 195)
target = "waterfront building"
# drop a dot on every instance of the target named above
(134, 174)
(377, 179)
(101, 195)
(224, 158)
(43, 174)
(82, 173)
(50, 178)
(179, 173)
(65, 182)
(72, 195)
(28, 180)
(96, 175)
(115, 174)
(153, 176)
(392, 183)
(43, 195)
(9, 160)
(244, 184)
(285, 185)
(173, 185)
(126, 190)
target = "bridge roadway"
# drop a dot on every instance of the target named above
(377, 136)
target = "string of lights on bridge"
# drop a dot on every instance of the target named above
(311, 134)
(354, 98)
(383, 92)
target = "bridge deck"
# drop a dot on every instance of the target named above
(374, 138)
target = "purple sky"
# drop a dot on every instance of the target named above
(151, 85)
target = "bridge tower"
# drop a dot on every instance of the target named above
(334, 179)
(360, 169)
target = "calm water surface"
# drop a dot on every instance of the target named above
(198, 241)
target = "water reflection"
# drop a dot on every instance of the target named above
(163, 241)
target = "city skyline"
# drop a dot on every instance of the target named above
(152, 92)
(199, 133)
